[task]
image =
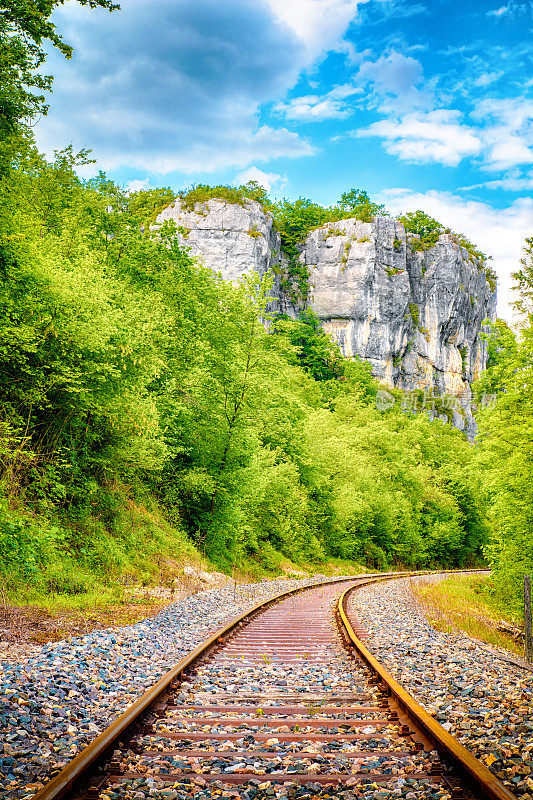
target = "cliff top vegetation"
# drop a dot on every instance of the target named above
(294, 219)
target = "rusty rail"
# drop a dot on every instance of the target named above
(485, 784)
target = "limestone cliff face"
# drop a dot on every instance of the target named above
(416, 316)
(230, 239)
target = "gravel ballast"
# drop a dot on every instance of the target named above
(58, 699)
(481, 699)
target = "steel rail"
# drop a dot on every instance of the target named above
(79, 767)
(485, 784)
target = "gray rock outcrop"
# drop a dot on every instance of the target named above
(415, 315)
(230, 239)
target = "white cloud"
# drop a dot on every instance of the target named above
(486, 78)
(512, 9)
(513, 112)
(514, 181)
(177, 87)
(392, 74)
(417, 127)
(507, 153)
(312, 107)
(138, 185)
(497, 232)
(414, 129)
(318, 24)
(265, 179)
(398, 9)
(507, 131)
(500, 131)
(498, 12)
(397, 83)
(424, 137)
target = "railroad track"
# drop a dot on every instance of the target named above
(284, 701)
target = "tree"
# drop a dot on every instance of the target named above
(356, 203)
(502, 358)
(399, 485)
(295, 219)
(25, 26)
(505, 439)
(315, 350)
(426, 227)
(524, 282)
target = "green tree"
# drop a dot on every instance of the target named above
(315, 350)
(400, 486)
(505, 447)
(524, 282)
(502, 358)
(426, 227)
(25, 27)
(356, 203)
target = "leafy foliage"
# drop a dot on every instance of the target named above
(398, 495)
(506, 435)
(414, 311)
(356, 203)
(294, 220)
(502, 358)
(316, 352)
(524, 282)
(425, 227)
(202, 193)
(145, 405)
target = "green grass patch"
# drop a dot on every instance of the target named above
(87, 560)
(97, 598)
(467, 603)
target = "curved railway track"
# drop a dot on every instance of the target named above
(285, 698)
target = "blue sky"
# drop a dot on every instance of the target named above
(424, 103)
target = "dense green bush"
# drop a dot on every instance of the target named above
(504, 456)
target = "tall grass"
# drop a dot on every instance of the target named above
(466, 603)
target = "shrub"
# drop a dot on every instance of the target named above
(425, 227)
(414, 310)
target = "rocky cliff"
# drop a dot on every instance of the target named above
(415, 315)
(231, 239)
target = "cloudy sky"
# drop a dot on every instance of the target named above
(424, 103)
